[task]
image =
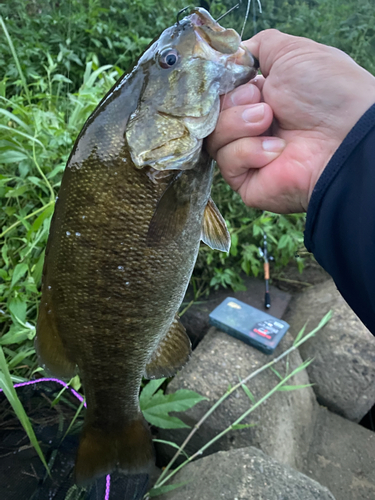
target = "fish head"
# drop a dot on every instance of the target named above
(185, 71)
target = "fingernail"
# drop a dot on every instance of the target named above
(273, 145)
(243, 95)
(253, 114)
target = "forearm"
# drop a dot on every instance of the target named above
(340, 227)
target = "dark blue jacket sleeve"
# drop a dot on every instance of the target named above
(340, 225)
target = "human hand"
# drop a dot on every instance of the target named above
(317, 94)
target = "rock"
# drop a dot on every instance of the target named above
(342, 457)
(283, 424)
(195, 319)
(343, 370)
(244, 474)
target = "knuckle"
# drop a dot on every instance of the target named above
(242, 149)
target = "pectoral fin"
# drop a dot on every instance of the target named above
(171, 213)
(214, 229)
(171, 354)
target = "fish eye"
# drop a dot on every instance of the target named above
(168, 58)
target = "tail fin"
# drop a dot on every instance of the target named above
(126, 487)
(128, 450)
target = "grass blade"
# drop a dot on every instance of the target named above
(16, 60)
(154, 492)
(248, 393)
(294, 387)
(300, 334)
(170, 443)
(6, 385)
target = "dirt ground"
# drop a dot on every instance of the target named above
(289, 279)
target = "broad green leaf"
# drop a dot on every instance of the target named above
(41, 217)
(17, 307)
(18, 273)
(55, 171)
(180, 400)
(12, 157)
(284, 241)
(15, 336)
(4, 275)
(160, 419)
(14, 193)
(76, 383)
(61, 78)
(17, 380)
(149, 389)
(38, 268)
(15, 119)
(156, 408)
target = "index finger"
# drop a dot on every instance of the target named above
(267, 45)
(244, 94)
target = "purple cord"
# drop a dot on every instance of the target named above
(107, 487)
(80, 398)
(64, 384)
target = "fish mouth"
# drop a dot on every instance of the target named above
(220, 44)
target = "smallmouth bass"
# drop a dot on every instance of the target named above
(133, 206)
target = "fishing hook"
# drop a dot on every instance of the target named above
(181, 12)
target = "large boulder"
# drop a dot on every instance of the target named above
(343, 370)
(243, 474)
(283, 425)
(342, 457)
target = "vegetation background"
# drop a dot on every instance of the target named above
(57, 60)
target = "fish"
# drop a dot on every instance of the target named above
(133, 206)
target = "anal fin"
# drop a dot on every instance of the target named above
(172, 353)
(51, 352)
(214, 229)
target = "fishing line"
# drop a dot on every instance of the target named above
(243, 27)
(227, 12)
(247, 14)
(80, 399)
